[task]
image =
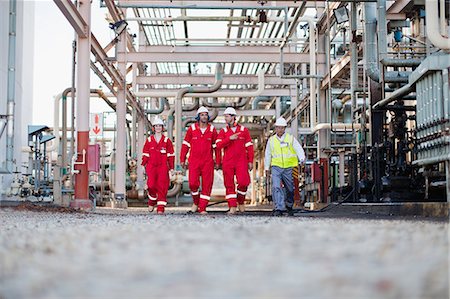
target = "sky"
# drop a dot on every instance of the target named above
(53, 56)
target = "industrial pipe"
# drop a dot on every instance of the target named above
(11, 92)
(401, 62)
(192, 93)
(179, 106)
(160, 108)
(176, 188)
(399, 93)
(242, 102)
(212, 117)
(257, 100)
(432, 20)
(372, 67)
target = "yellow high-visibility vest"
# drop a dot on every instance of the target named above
(283, 153)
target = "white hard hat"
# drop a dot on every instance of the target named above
(202, 110)
(158, 121)
(281, 122)
(230, 111)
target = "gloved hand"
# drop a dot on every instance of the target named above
(144, 161)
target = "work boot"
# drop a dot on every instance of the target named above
(277, 213)
(232, 211)
(151, 208)
(290, 211)
(241, 208)
(194, 208)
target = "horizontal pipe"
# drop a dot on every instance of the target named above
(432, 160)
(403, 91)
(173, 93)
(401, 62)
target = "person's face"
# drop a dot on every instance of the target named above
(203, 117)
(158, 128)
(229, 119)
(280, 130)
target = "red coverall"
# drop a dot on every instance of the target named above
(201, 163)
(236, 156)
(158, 158)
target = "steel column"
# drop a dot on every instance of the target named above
(121, 156)
(82, 114)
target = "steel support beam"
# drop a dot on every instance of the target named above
(121, 153)
(77, 21)
(237, 4)
(156, 93)
(230, 54)
(209, 79)
(73, 16)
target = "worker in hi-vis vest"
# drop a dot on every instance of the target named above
(283, 153)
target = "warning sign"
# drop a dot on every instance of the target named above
(96, 125)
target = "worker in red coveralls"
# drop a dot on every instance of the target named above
(158, 158)
(200, 142)
(237, 159)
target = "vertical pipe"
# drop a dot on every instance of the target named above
(341, 168)
(82, 118)
(312, 81)
(11, 85)
(134, 116)
(294, 101)
(278, 107)
(353, 62)
(439, 99)
(418, 105)
(119, 188)
(443, 24)
(447, 175)
(140, 141)
(304, 81)
(382, 31)
(446, 93)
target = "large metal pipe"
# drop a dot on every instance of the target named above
(160, 108)
(399, 93)
(212, 117)
(11, 87)
(434, 33)
(242, 102)
(179, 106)
(401, 62)
(382, 30)
(372, 66)
(370, 44)
(257, 100)
(193, 93)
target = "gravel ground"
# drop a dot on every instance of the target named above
(131, 254)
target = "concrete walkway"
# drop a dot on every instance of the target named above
(131, 254)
